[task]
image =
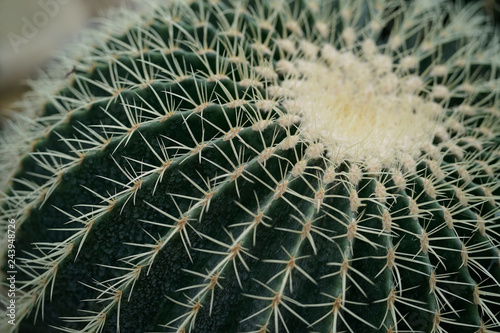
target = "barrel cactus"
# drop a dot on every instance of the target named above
(259, 166)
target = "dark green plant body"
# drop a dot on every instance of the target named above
(169, 188)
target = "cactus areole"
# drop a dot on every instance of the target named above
(259, 166)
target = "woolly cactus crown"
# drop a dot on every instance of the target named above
(261, 166)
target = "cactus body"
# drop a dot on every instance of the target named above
(282, 166)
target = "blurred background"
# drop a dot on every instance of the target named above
(30, 31)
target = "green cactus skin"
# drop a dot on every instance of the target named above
(281, 166)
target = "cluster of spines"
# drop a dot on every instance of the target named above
(247, 110)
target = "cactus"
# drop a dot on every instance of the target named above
(260, 166)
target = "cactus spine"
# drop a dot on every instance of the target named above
(262, 166)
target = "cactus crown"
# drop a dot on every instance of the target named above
(262, 166)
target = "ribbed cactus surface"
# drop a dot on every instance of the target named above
(261, 166)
